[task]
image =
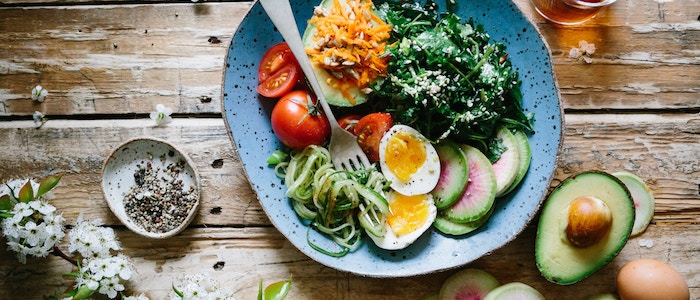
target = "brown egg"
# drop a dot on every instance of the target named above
(650, 279)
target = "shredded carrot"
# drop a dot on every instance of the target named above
(349, 43)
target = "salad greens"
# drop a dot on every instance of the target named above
(446, 78)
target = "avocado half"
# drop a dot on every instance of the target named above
(557, 258)
(333, 95)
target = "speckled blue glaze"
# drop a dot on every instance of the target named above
(247, 118)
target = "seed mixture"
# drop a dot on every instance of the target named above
(158, 202)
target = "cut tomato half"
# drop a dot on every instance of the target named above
(274, 59)
(280, 83)
(369, 131)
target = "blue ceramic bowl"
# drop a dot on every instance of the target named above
(247, 118)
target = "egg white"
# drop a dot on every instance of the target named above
(425, 178)
(390, 241)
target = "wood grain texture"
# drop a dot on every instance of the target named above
(147, 54)
(115, 58)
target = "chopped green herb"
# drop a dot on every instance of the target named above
(277, 157)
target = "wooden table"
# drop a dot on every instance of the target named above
(107, 64)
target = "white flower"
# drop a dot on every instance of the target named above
(110, 286)
(123, 266)
(39, 93)
(199, 286)
(10, 228)
(39, 119)
(92, 240)
(586, 47)
(101, 268)
(162, 115)
(22, 210)
(105, 274)
(33, 233)
(42, 206)
(87, 280)
(583, 51)
(34, 228)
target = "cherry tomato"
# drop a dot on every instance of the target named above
(280, 83)
(369, 131)
(348, 122)
(274, 59)
(298, 122)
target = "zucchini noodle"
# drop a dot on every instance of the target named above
(338, 203)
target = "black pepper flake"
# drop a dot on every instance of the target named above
(159, 202)
(219, 265)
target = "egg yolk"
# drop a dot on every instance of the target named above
(407, 213)
(405, 154)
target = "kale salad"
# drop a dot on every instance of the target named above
(446, 78)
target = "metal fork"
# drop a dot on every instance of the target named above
(346, 154)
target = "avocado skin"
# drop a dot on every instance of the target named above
(557, 259)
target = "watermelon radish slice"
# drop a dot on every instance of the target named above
(446, 226)
(507, 166)
(468, 284)
(478, 197)
(454, 173)
(643, 200)
(514, 291)
(525, 157)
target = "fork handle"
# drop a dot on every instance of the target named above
(280, 12)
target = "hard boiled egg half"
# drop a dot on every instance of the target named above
(408, 161)
(409, 217)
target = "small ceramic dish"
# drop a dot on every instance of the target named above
(151, 187)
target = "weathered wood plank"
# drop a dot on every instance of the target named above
(115, 58)
(635, 42)
(147, 54)
(662, 149)
(253, 253)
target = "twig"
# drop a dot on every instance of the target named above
(57, 251)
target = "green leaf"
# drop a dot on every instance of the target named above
(82, 293)
(26, 193)
(178, 292)
(6, 202)
(48, 184)
(260, 290)
(72, 274)
(278, 290)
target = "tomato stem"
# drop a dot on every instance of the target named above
(311, 108)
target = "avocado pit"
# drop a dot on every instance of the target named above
(588, 220)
